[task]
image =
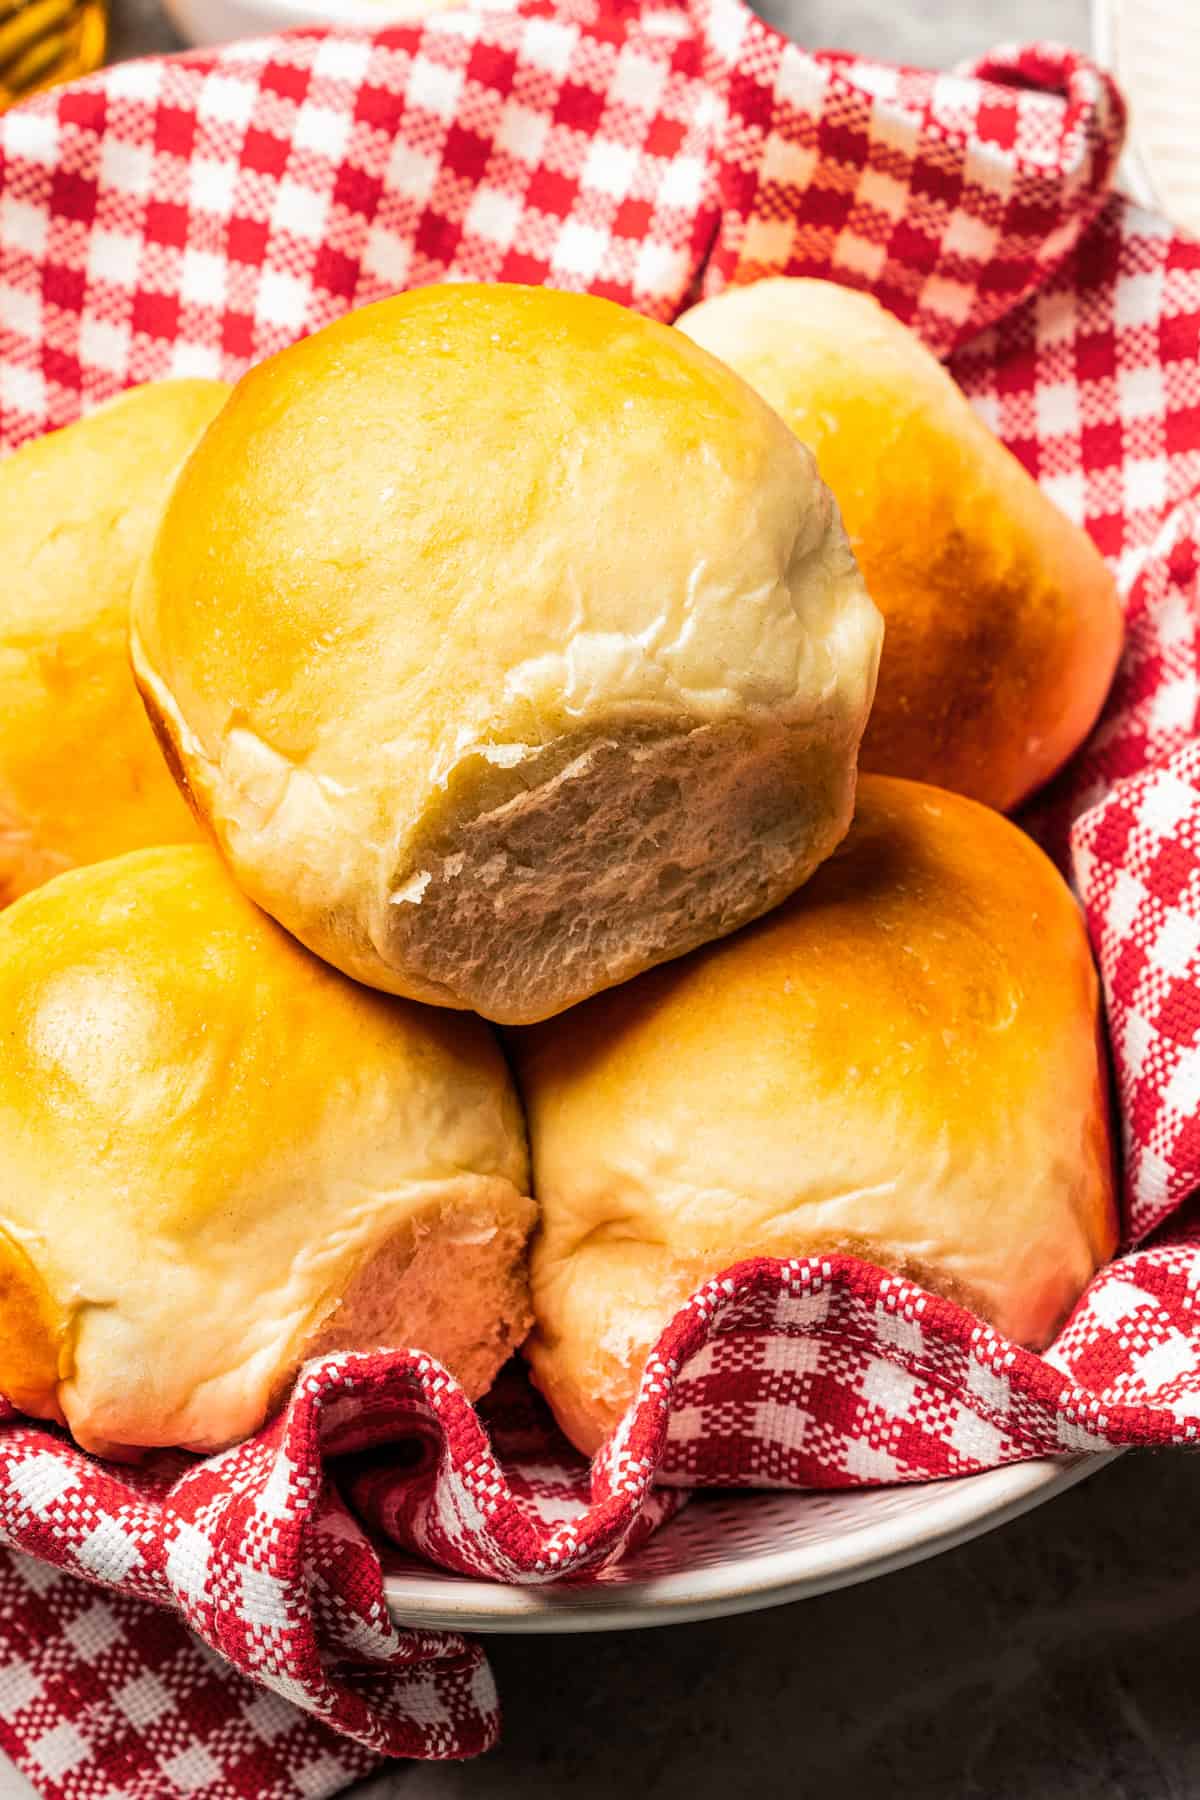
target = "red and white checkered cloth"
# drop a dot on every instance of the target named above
(189, 215)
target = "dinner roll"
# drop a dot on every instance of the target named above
(902, 1063)
(509, 644)
(80, 774)
(219, 1157)
(1003, 622)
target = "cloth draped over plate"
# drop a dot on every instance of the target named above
(190, 215)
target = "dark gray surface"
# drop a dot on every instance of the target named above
(1058, 1659)
(139, 28)
(929, 34)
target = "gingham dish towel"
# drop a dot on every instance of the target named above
(189, 215)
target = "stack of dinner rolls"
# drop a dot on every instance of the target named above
(513, 654)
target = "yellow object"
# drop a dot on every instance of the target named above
(44, 42)
(1003, 625)
(81, 776)
(901, 1063)
(216, 1155)
(509, 643)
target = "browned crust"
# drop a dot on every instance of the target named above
(166, 742)
(34, 1335)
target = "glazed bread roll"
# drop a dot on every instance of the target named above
(509, 644)
(80, 774)
(902, 1063)
(1003, 622)
(219, 1157)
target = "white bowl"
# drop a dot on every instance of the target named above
(220, 21)
(732, 1553)
(724, 1553)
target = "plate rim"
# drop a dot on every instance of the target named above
(958, 1510)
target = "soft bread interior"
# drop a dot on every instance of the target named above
(456, 1287)
(676, 839)
(451, 1280)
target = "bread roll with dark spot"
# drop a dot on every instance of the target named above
(1003, 622)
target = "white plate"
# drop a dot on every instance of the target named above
(731, 1553)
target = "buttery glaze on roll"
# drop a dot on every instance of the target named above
(81, 777)
(902, 1062)
(1003, 622)
(509, 644)
(219, 1157)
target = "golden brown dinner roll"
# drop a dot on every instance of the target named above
(218, 1157)
(1003, 623)
(80, 774)
(901, 1063)
(509, 644)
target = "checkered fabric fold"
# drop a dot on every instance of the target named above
(190, 215)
